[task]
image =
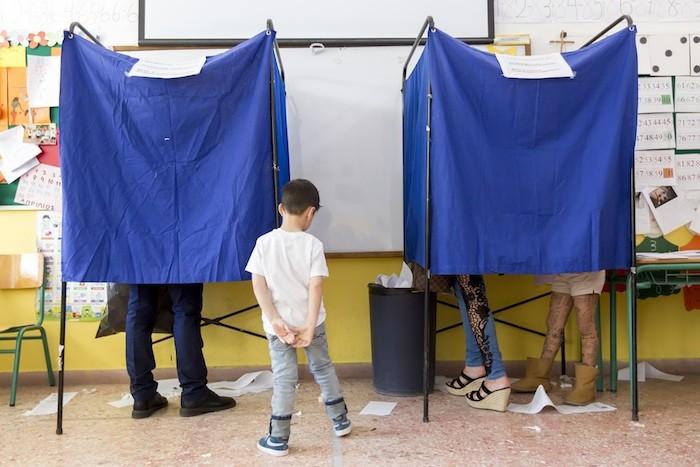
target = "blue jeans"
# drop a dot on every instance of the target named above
(285, 374)
(471, 297)
(140, 320)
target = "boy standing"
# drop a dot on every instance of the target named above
(288, 267)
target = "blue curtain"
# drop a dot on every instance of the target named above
(281, 128)
(415, 120)
(529, 176)
(164, 181)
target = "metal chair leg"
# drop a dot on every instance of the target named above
(15, 367)
(47, 355)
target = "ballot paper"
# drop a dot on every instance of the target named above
(646, 370)
(654, 168)
(249, 383)
(655, 95)
(381, 409)
(541, 400)
(534, 66)
(670, 210)
(687, 94)
(403, 280)
(655, 131)
(149, 69)
(16, 157)
(688, 131)
(49, 405)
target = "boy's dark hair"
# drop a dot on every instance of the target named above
(299, 195)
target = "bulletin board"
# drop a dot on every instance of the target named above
(667, 157)
(14, 105)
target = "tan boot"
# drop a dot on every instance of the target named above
(584, 388)
(537, 373)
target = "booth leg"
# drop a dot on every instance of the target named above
(61, 360)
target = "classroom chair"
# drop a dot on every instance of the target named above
(24, 271)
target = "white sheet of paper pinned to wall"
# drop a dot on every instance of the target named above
(695, 54)
(669, 54)
(655, 95)
(688, 171)
(670, 210)
(43, 80)
(688, 130)
(687, 94)
(534, 66)
(655, 131)
(654, 168)
(150, 69)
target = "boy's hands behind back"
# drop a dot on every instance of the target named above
(304, 337)
(282, 331)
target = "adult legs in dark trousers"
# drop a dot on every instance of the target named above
(196, 398)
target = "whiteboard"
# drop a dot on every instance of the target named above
(334, 22)
(344, 125)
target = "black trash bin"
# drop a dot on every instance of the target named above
(397, 324)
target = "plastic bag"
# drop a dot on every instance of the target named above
(114, 320)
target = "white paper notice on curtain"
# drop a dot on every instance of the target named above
(534, 66)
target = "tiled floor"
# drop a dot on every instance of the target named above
(97, 434)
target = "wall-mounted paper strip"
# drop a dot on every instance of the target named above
(655, 95)
(688, 131)
(655, 131)
(687, 94)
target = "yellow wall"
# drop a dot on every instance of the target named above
(666, 330)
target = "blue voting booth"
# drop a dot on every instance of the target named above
(168, 181)
(519, 176)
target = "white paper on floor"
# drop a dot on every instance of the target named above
(125, 401)
(167, 388)
(249, 383)
(542, 400)
(378, 408)
(440, 382)
(49, 405)
(647, 370)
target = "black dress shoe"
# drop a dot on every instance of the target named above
(144, 409)
(210, 402)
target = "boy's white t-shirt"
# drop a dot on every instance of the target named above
(288, 261)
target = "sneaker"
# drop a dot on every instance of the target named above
(144, 409)
(210, 402)
(342, 426)
(273, 446)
